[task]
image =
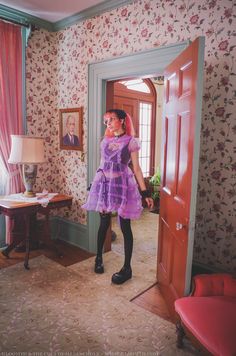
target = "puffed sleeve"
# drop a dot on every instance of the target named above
(134, 144)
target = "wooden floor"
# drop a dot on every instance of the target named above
(153, 301)
(71, 255)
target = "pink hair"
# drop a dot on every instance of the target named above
(129, 127)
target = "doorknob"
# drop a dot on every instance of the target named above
(179, 226)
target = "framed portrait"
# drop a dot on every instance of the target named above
(71, 129)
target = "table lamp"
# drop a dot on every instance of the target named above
(27, 152)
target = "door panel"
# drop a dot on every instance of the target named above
(165, 248)
(181, 132)
(182, 157)
(128, 105)
(178, 268)
(169, 158)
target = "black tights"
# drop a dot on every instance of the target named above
(105, 220)
(125, 225)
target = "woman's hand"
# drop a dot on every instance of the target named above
(149, 202)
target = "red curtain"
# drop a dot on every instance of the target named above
(11, 120)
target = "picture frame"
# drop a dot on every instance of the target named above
(71, 129)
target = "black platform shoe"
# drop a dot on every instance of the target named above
(99, 268)
(122, 276)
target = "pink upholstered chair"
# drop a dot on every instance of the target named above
(209, 314)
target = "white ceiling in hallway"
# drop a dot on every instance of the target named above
(51, 10)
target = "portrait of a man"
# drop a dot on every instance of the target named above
(71, 129)
(70, 139)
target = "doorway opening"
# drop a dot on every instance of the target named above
(139, 65)
(142, 98)
(183, 68)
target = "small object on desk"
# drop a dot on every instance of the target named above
(44, 194)
(41, 198)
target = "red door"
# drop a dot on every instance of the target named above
(180, 152)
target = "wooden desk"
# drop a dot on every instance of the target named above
(21, 213)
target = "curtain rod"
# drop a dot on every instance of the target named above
(15, 22)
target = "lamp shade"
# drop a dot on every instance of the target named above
(26, 150)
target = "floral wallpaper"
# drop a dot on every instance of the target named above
(41, 98)
(57, 77)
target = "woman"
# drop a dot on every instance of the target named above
(114, 188)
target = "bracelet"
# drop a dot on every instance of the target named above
(145, 193)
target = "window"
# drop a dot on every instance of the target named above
(13, 40)
(137, 96)
(136, 84)
(3, 177)
(145, 115)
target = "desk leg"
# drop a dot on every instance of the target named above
(27, 241)
(17, 235)
(7, 250)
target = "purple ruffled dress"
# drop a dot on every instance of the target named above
(114, 188)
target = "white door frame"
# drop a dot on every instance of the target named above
(142, 64)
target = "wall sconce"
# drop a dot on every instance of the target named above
(28, 152)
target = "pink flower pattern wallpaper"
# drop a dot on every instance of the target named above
(57, 77)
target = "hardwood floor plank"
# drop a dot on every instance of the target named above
(71, 255)
(153, 301)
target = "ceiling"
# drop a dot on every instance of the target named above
(51, 10)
